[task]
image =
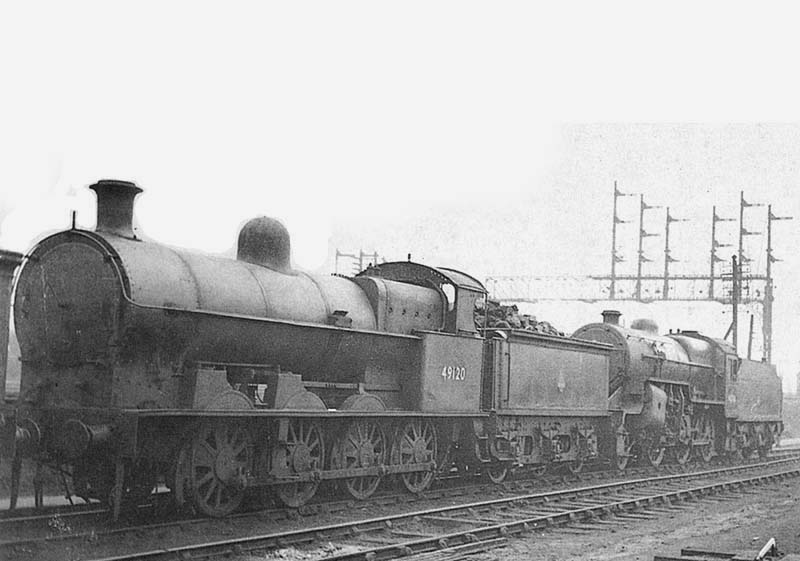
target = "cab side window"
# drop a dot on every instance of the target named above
(732, 368)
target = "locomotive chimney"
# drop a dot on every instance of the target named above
(9, 261)
(265, 241)
(611, 316)
(115, 206)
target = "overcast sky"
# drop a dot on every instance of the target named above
(469, 134)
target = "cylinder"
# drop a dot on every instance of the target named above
(75, 437)
(654, 412)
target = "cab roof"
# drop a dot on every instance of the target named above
(417, 273)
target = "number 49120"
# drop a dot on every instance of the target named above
(454, 372)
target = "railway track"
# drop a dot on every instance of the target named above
(446, 487)
(29, 525)
(489, 523)
(506, 503)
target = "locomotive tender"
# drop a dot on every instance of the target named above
(143, 363)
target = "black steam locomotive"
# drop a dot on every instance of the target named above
(144, 364)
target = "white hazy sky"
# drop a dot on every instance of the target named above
(471, 134)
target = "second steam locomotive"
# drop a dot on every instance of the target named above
(144, 364)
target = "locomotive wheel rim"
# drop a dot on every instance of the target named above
(621, 460)
(706, 451)
(180, 476)
(445, 461)
(363, 445)
(416, 443)
(219, 454)
(763, 445)
(304, 440)
(497, 472)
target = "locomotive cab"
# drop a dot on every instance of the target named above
(751, 391)
(450, 368)
(457, 291)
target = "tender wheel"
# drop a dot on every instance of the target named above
(221, 455)
(654, 454)
(575, 466)
(539, 470)
(362, 446)
(764, 444)
(497, 472)
(415, 444)
(706, 453)
(681, 452)
(735, 456)
(305, 452)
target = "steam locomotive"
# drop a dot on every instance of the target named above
(144, 364)
(686, 394)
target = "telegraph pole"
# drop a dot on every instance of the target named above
(615, 257)
(642, 235)
(743, 204)
(667, 253)
(735, 288)
(714, 246)
(356, 260)
(740, 262)
(766, 326)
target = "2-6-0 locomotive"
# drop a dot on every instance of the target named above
(142, 363)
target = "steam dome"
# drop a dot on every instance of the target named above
(265, 241)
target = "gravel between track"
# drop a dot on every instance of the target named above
(735, 525)
(744, 522)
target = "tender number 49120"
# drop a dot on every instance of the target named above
(454, 372)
